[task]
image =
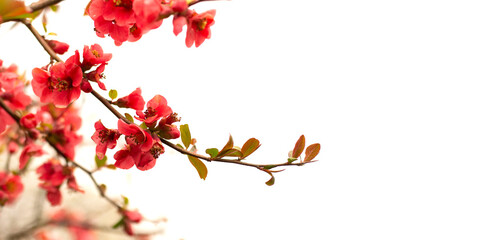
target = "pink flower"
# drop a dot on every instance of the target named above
(61, 85)
(134, 100)
(29, 151)
(156, 108)
(104, 138)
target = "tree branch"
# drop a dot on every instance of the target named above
(108, 105)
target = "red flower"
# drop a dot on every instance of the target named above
(29, 151)
(135, 135)
(113, 18)
(120, 34)
(104, 138)
(61, 85)
(134, 100)
(131, 217)
(94, 55)
(198, 26)
(147, 13)
(156, 108)
(58, 47)
(29, 121)
(10, 188)
(53, 174)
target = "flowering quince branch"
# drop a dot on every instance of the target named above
(60, 83)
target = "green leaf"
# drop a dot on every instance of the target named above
(290, 160)
(54, 8)
(271, 181)
(213, 152)
(113, 94)
(129, 117)
(311, 152)
(299, 147)
(185, 135)
(119, 223)
(249, 147)
(100, 162)
(44, 21)
(180, 146)
(199, 166)
(125, 200)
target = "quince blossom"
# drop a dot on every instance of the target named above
(10, 188)
(53, 174)
(134, 100)
(61, 85)
(104, 138)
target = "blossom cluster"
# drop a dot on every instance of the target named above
(143, 145)
(11, 93)
(62, 82)
(128, 20)
(53, 174)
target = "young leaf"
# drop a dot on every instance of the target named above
(113, 94)
(12, 9)
(227, 146)
(213, 152)
(311, 152)
(271, 181)
(118, 224)
(232, 152)
(125, 200)
(200, 167)
(129, 117)
(299, 147)
(100, 162)
(249, 147)
(185, 135)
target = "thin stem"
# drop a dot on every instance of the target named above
(43, 4)
(41, 40)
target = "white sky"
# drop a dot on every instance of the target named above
(395, 91)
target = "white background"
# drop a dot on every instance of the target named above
(397, 93)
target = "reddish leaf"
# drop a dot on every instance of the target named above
(299, 147)
(12, 9)
(250, 146)
(200, 167)
(311, 152)
(232, 152)
(228, 145)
